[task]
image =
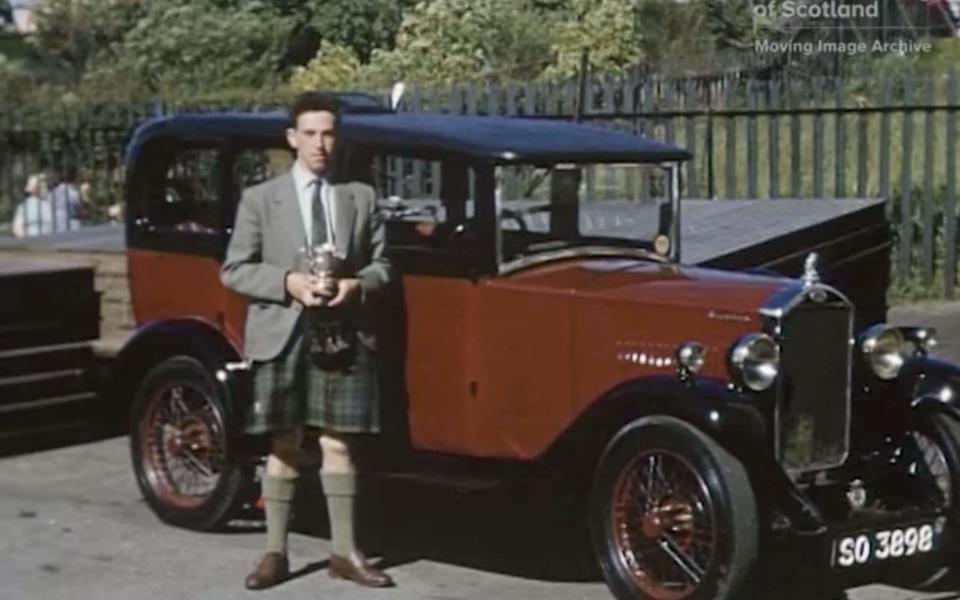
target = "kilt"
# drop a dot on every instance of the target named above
(292, 392)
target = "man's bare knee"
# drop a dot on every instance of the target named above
(336, 454)
(284, 451)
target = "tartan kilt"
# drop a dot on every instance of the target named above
(292, 392)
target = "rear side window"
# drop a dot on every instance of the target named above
(256, 165)
(180, 192)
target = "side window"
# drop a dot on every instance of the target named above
(424, 202)
(256, 165)
(183, 196)
(252, 165)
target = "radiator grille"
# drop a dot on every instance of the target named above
(813, 410)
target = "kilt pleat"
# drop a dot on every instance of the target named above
(291, 392)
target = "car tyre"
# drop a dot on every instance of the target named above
(185, 466)
(673, 516)
(943, 463)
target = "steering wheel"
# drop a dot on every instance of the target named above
(515, 216)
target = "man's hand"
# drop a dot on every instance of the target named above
(347, 291)
(305, 289)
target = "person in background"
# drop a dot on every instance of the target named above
(69, 201)
(34, 215)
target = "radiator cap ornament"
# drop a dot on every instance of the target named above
(810, 274)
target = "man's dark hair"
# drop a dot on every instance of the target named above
(313, 101)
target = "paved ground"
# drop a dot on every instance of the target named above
(72, 525)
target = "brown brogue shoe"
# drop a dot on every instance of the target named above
(273, 569)
(356, 569)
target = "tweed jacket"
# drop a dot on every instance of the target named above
(268, 242)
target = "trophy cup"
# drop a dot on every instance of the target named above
(330, 335)
(324, 263)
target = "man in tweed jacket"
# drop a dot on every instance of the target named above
(266, 262)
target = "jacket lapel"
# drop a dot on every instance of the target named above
(345, 212)
(286, 207)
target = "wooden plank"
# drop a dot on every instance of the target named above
(884, 183)
(454, 105)
(669, 102)
(906, 184)
(731, 164)
(773, 135)
(840, 145)
(491, 100)
(608, 87)
(928, 210)
(818, 139)
(751, 143)
(471, 97)
(796, 157)
(950, 202)
(510, 99)
(690, 103)
(862, 155)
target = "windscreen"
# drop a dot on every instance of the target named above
(544, 208)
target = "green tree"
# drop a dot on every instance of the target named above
(675, 38)
(731, 23)
(178, 46)
(445, 41)
(360, 25)
(335, 67)
(71, 33)
(607, 29)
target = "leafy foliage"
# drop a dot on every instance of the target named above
(359, 25)
(457, 40)
(730, 22)
(184, 45)
(333, 67)
(608, 29)
(72, 32)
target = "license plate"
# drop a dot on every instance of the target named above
(885, 544)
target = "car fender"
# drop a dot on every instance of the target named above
(930, 383)
(730, 417)
(194, 337)
(712, 405)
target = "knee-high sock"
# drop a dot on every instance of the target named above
(340, 489)
(277, 497)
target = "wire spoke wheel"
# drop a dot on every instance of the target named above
(932, 462)
(180, 447)
(673, 515)
(184, 444)
(664, 527)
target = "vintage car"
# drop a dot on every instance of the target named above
(731, 434)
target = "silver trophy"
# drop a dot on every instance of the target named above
(325, 263)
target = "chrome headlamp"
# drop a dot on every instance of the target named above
(883, 347)
(691, 356)
(754, 361)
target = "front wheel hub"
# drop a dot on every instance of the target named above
(663, 523)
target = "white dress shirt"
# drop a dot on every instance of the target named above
(304, 179)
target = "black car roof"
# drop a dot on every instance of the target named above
(494, 138)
